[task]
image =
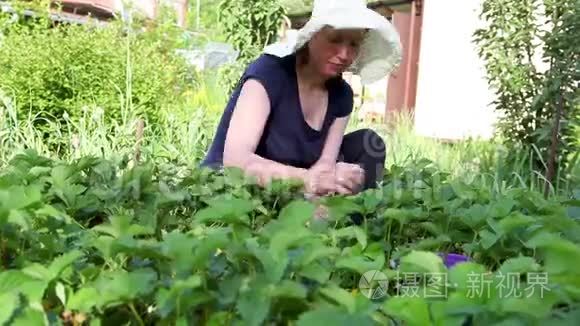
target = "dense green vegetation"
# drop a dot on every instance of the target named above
(108, 243)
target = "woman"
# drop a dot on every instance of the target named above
(288, 115)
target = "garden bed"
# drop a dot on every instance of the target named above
(95, 241)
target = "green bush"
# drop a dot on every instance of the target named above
(68, 68)
(531, 95)
(249, 26)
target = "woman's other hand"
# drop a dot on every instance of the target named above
(349, 178)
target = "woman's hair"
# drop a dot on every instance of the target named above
(303, 54)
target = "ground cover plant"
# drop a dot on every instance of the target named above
(96, 241)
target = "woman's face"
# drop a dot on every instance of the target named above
(332, 51)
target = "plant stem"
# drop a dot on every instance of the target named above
(134, 311)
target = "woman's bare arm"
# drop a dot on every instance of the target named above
(334, 141)
(244, 132)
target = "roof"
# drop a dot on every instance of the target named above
(57, 17)
(297, 8)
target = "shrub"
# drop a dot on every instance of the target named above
(531, 95)
(65, 68)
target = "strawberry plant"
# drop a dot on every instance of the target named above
(95, 241)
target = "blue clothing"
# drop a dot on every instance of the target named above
(287, 137)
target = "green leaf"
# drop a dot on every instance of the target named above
(10, 302)
(462, 190)
(59, 264)
(254, 305)
(466, 275)
(475, 216)
(118, 226)
(274, 266)
(432, 243)
(216, 239)
(402, 216)
(38, 272)
(360, 264)
(179, 296)
(282, 240)
(297, 213)
(182, 321)
(317, 251)
(519, 265)
(535, 304)
(84, 300)
(467, 302)
(118, 286)
(352, 232)
(15, 282)
(422, 262)
(20, 197)
(441, 317)
(432, 228)
(340, 296)
(60, 291)
(371, 199)
(316, 272)
(488, 239)
(502, 207)
(341, 206)
(31, 315)
(411, 310)
(233, 210)
(219, 318)
(561, 256)
(333, 316)
(59, 175)
(288, 289)
(514, 221)
(50, 211)
(179, 247)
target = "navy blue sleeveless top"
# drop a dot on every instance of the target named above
(287, 137)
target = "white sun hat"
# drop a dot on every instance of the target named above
(380, 53)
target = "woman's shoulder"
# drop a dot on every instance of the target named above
(272, 73)
(269, 64)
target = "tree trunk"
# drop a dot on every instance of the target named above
(551, 169)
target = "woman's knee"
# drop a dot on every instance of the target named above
(373, 144)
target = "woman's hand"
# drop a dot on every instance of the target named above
(320, 179)
(349, 178)
(328, 178)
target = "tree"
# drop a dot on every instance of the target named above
(538, 106)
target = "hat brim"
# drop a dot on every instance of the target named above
(341, 19)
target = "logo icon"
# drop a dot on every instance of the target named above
(373, 284)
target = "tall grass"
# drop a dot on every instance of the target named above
(488, 162)
(180, 137)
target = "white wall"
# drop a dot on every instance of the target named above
(452, 94)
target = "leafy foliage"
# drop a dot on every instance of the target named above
(532, 62)
(53, 71)
(249, 26)
(107, 243)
